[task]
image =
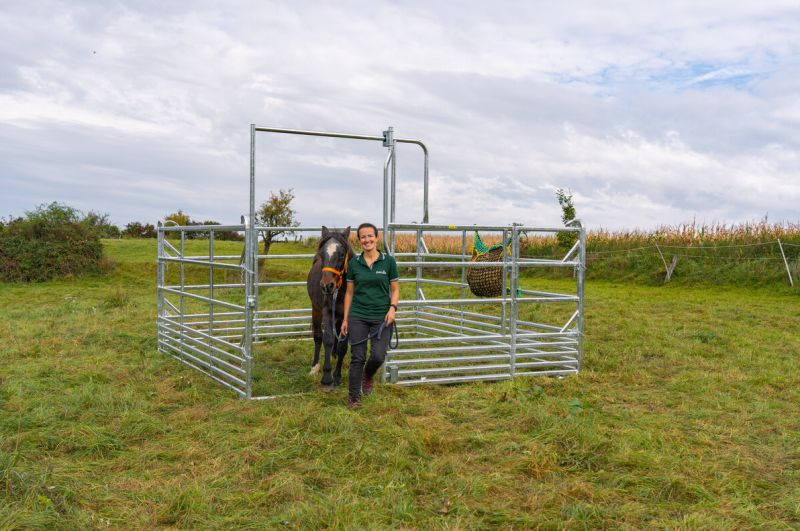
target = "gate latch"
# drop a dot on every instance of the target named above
(388, 137)
(252, 301)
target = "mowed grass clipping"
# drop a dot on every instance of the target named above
(684, 417)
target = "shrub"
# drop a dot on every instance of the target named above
(136, 229)
(99, 222)
(51, 241)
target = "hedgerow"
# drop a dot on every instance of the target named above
(49, 242)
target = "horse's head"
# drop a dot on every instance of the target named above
(334, 249)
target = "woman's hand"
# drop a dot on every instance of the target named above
(344, 327)
(390, 316)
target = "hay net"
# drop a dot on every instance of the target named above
(486, 281)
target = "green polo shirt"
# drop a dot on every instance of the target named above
(371, 294)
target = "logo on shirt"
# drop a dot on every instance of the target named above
(379, 272)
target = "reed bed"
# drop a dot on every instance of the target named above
(694, 233)
(715, 252)
(688, 234)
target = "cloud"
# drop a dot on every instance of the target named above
(649, 113)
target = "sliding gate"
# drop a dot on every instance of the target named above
(211, 315)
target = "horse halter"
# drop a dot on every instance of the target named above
(340, 273)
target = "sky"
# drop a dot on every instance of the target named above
(649, 113)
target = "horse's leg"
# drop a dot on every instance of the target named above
(316, 324)
(328, 340)
(341, 351)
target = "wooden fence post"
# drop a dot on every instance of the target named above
(671, 268)
(786, 263)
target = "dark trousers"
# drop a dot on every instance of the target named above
(359, 329)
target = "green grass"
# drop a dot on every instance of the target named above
(684, 417)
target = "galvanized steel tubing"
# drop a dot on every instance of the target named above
(203, 340)
(443, 339)
(458, 345)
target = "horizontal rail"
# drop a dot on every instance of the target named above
(220, 265)
(285, 256)
(317, 133)
(454, 379)
(281, 284)
(533, 364)
(456, 327)
(205, 356)
(450, 370)
(498, 300)
(200, 298)
(195, 287)
(162, 325)
(451, 359)
(201, 228)
(451, 350)
(431, 255)
(562, 372)
(472, 228)
(199, 361)
(451, 318)
(257, 335)
(438, 282)
(503, 265)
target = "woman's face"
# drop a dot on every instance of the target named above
(367, 238)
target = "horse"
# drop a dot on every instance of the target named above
(325, 279)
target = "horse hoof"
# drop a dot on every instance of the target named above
(314, 369)
(327, 388)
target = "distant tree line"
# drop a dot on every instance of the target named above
(184, 220)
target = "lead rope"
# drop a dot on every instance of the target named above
(392, 327)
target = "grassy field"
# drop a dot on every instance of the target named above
(685, 417)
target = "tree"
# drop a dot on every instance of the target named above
(135, 229)
(224, 234)
(566, 239)
(276, 212)
(179, 217)
(182, 220)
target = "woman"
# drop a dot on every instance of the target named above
(373, 290)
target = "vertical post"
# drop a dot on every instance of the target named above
(393, 147)
(581, 274)
(387, 142)
(786, 263)
(514, 303)
(183, 283)
(211, 298)
(388, 205)
(418, 290)
(504, 300)
(463, 277)
(394, 194)
(250, 300)
(425, 191)
(160, 282)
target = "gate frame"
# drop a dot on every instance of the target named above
(172, 329)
